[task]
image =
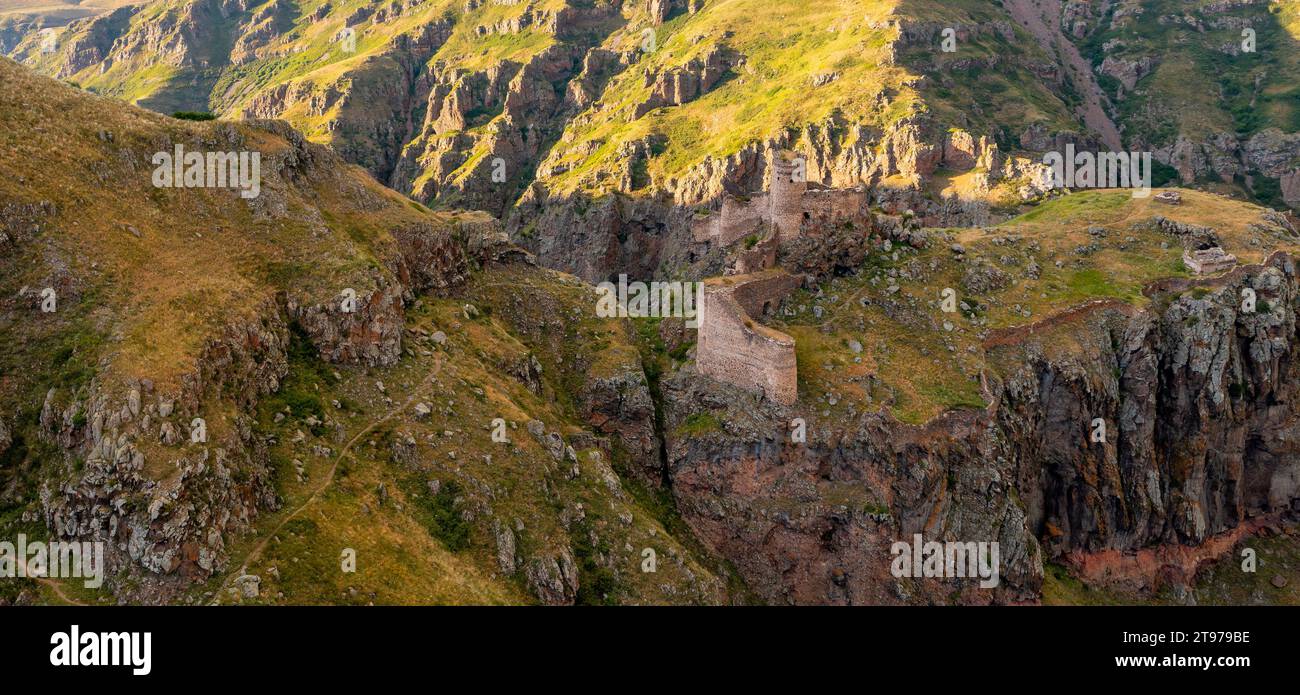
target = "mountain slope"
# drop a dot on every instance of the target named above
(475, 102)
(180, 305)
(608, 138)
(624, 117)
(201, 54)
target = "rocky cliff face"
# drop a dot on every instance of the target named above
(174, 526)
(559, 117)
(528, 98)
(1204, 410)
(651, 234)
(166, 470)
(247, 386)
(497, 128)
(1196, 397)
(370, 117)
(130, 437)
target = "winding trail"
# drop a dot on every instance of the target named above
(1042, 18)
(51, 584)
(329, 480)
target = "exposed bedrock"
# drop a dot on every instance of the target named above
(374, 114)
(652, 233)
(137, 475)
(167, 530)
(1201, 440)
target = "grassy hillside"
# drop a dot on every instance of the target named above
(147, 278)
(147, 253)
(1072, 249)
(851, 69)
(58, 12)
(800, 65)
(183, 55)
(304, 45)
(419, 499)
(1193, 48)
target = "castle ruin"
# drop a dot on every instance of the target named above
(1209, 260)
(789, 202)
(733, 347)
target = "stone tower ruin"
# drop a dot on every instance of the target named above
(787, 181)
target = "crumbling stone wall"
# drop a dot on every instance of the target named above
(781, 208)
(823, 208)
(789, 207)
(1211, 260)
(734, 348)
(761, 257)
(738, 218)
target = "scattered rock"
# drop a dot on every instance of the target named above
(248, 585)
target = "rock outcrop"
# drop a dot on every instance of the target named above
(686, 83)
(617, 402)
(1200, 419)
(846, 171)
(174, 527)
(166, 474)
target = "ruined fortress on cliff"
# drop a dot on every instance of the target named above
(733, 347)
(789, 202)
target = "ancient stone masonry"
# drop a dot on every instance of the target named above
(738, 218)
(804, 221)
(1192, 378)
(735, 348)
(1202, 250)
(1211, 260)
(789, 201)
(758, 257)
(787, 183)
